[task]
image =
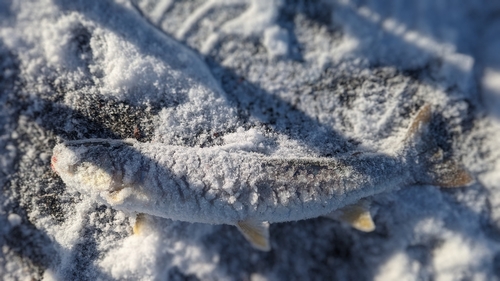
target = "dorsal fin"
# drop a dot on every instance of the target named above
(256, 232)
(357, 215)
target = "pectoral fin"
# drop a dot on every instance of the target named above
(357, 215)
(140, 222)
(256, 232)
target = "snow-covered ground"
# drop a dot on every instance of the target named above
(309, 78)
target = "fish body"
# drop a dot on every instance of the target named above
(212, 185)
(225, 185)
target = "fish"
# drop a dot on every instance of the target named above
(249, 189)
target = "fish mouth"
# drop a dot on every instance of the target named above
(53, 162)
(59, 162)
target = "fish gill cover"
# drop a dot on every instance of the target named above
(284, 79)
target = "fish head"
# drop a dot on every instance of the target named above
(87, 168)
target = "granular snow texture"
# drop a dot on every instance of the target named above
(311, 78)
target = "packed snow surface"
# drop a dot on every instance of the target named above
(284, 79)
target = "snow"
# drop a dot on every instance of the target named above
(276, 41)
(14, 219)
(241, 140)
(284, 78)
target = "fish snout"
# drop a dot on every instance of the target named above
(53, 162)
(63, 160)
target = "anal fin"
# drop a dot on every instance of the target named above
(256, 232)
(357, 215)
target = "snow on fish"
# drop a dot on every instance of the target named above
(248, 189)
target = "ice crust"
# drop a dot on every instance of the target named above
(281, 78)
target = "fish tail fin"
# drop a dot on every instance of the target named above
(446, 172)
(436, 169)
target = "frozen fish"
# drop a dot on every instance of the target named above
(248, 189)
